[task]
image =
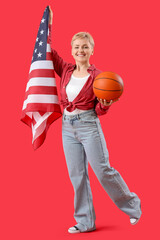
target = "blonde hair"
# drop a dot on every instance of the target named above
(83, 35)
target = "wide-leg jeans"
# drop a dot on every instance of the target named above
(83, 142)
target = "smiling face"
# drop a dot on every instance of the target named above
(82, 50)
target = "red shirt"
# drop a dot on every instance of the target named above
(86, 98)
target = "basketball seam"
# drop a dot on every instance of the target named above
(107, 90)
(110, 79)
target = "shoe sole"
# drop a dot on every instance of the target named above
(135, 222)
(78, 231)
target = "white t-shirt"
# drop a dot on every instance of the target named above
(73, 89)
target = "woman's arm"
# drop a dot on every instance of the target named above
(102, 106)
(100, 109)
(58, 62)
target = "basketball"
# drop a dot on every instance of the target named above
(108, 85)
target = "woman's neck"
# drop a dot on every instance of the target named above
(80, 67)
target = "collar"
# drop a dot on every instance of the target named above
(72, 67)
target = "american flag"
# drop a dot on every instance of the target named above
(41, 106)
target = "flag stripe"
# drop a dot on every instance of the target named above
(43, 64)
(41, 90)
(40, 118)
(41, 82)
(48, 48)
(42, 73)
(49, 56)
(43, 107)
(39, 140)
(40, 98)
(38, 131)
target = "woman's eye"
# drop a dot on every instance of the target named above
(77, 47)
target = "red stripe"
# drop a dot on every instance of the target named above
(41, 73)
(41, 113)
(41, 90)
(49, 56)
(42, 107)
(26, 119)
(33, 120)
(48, 39)
(39, 140)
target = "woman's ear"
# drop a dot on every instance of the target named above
(92, 51)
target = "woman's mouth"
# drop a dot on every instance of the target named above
(80, 55)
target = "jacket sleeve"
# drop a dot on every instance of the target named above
(100, 109)
(58, 62)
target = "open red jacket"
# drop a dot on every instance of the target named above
(86, 99)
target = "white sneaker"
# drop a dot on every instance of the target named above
(73, 229)
(133, 221)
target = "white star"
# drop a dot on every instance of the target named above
(35, 50)
(37, 39)
(43, 19)
(39, 54)
(40, 43)
(42, 31)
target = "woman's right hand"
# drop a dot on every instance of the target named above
(50, 15)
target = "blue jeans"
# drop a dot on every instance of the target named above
(83, 142)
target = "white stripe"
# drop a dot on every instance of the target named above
(36, 116)
(29, 114)
(40, 81)
(37, 132)
(48, 48)
(39, 119)
(40, 126)
(45, 64)
(40, 98)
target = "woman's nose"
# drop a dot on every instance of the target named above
(81, 50)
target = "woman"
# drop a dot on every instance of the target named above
(83, 139)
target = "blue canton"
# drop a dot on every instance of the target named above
(39, 52)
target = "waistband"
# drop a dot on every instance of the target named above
(79, 115)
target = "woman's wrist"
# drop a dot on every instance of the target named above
(104, 106)
(104, 102)
(50, 15)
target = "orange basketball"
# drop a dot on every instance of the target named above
(108, 85)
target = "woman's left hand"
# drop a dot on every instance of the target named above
(106, 103)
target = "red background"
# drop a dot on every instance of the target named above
(36, 193)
